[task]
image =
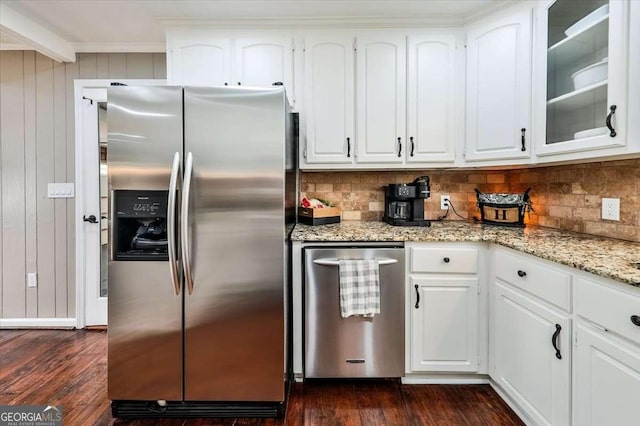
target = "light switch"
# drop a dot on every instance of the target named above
(32, 279)
(61, 190)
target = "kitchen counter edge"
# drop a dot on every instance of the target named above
(605, 257)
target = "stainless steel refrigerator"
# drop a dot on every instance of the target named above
(202, 185)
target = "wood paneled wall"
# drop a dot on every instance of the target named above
(37, 145)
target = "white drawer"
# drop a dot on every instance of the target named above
(609, 307)
(549, 284)
(444, 260)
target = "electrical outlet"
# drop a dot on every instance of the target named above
(611, 208)
(444, 202)
(32, 279)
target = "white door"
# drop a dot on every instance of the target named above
(525, 336)
(499, 89)
(95, 204)
(444, 324)
(431, 99)
(329, 95)
(92, 198)
(381, 99)
(264, 61)
(606, 380)
(195, 62)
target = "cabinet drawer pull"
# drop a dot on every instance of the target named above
(417, 297)
(612, 108)
(522, 274)
(399, 147)
(412, 145)
(635, 319)
(348, 147)
(446, 260)
(554, 341)
(524, 148)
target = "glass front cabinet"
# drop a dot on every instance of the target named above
(584, 48)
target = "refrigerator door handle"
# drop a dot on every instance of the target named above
(171, 222)
(184, 230)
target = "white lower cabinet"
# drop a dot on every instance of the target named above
(444, 324)
(606, 379)
(531, 355)
(443, 301)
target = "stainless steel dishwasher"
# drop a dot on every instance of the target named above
(354, 346)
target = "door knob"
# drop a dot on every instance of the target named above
(90, 219)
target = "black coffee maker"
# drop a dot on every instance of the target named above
(404, 203)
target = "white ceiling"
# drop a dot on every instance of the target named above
(106, 24)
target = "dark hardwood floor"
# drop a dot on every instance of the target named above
(44, 367)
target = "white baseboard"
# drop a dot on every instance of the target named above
(512, 404)
(38, 323)
(446, 379)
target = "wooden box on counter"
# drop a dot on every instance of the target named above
(323, 216)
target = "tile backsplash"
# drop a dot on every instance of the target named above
(564, 197)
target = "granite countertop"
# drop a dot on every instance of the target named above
(607, 257)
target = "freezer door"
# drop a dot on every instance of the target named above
(234, 244)
(145, 311)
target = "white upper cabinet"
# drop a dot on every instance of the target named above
(206, 58)
(498, 76)
(199, 61)
(329, 97)
(263, 61)
(582, 61)
(431, 102)
(381, 99)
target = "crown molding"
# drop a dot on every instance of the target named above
(123, 47)
(15, 46)
(311, 22)
(496, 8)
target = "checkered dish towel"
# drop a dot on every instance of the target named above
(359, 287)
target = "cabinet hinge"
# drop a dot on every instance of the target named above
(304, 153)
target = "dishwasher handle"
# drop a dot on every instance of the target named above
(336, 262)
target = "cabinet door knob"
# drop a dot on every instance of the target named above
(239, 84)
(412, 145)
(554, 341)
(399, 147)
(446, 260)
(524, 148)
(612, 110)
(417, 297)
(226, 84)
(522, 274)
(348, 147)
(635, 319)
